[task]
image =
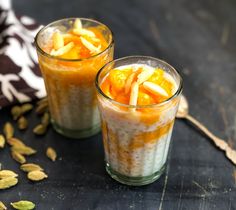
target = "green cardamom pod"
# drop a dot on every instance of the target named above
(8, 130)
(2, 206)
(15, 142)
(8, 182)
(18, 157)
(45, 119)
(23, 205)
(2, 141)
(7, 173)
(26, 108)
(51, 153)
(28, 167)
(16, 112)
(22, 123)
(41, 108)
(23, 150)
(36, 175)
(40, 129)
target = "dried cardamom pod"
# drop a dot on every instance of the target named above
(45, 119)
(15, 142)
(41, 108)
(2, 141)
(8, 182)
(28, 167)
(40, 129)
(2, 206)
(16, 112)
(22, 123)
(43, 101)
(7, 173)
(8, 130)
(18, 157)
(23, 205)
(51, 153)
(37, 175)
(23, 150)
(26, 108)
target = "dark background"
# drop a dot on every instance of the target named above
(196, 37)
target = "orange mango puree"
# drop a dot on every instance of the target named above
(138, 141)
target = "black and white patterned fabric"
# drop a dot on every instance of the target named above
(20, 78)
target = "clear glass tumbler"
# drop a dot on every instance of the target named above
(136, 139)
(70, 82)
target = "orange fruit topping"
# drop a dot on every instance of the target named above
(118, 78)
(153, 86)
(86, 42)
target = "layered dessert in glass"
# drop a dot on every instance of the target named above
(70, 53)
(138, 98)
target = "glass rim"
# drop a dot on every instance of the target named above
(175, 95)
(111, 43)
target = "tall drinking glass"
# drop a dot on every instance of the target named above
(136, 138)
(69, 81)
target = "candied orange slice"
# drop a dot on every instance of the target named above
(72, 54)
(157, 76)
(122, 99)
(71, 38)
(168, 86)
(155, 89)
(105, 87)
(145, 99)
(118, 78)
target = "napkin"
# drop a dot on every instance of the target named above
(20, 78)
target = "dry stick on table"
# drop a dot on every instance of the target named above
(220, 143)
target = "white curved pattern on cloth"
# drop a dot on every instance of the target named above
(20, 50)
(9, 90)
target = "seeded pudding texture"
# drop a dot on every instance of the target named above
(136, 140)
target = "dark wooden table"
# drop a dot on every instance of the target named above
(198, 38)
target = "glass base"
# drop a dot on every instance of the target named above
(134, 181)
(76, 134)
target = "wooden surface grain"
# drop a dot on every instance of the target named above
(196, 37)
